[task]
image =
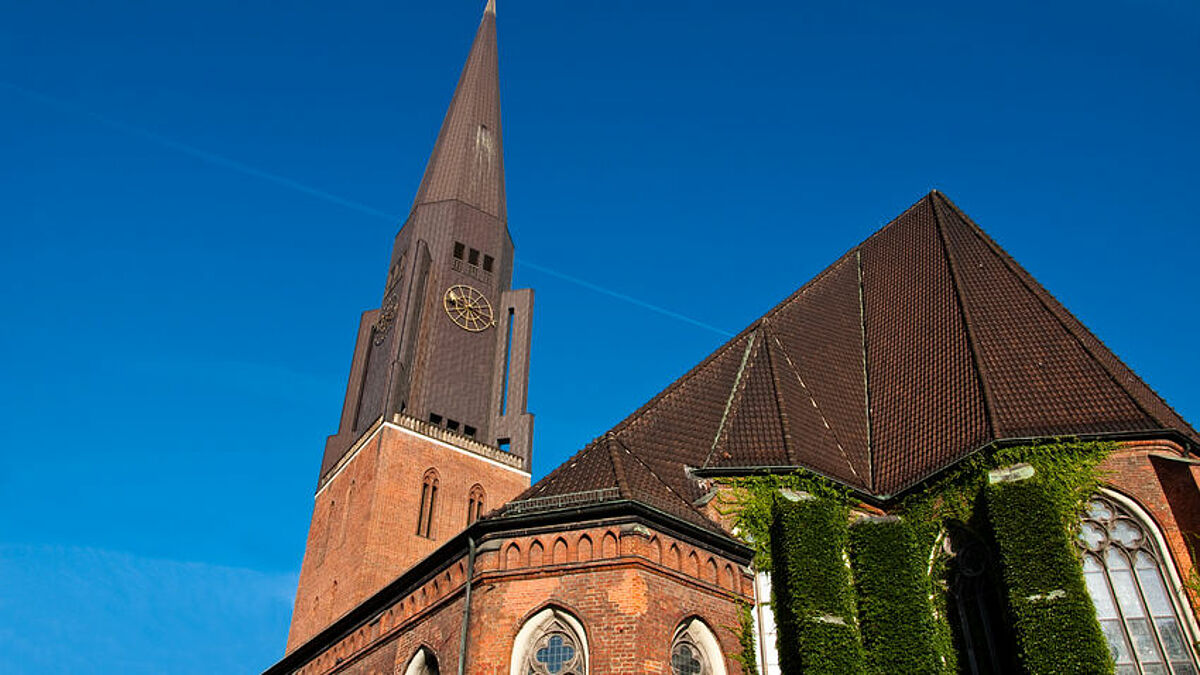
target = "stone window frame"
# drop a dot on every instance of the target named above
(545, 622)
(695, 634)
(1155, 545)
(424, 662)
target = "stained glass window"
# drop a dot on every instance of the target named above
(1124, 576)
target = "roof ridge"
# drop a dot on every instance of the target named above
(555, 474)
(862, 331)
(824, 419)
(784, 424)
(733, 403)
(989, 406)
(631, 419)
(618, 468)
(1056, 309)
(843, 258)
(658, 478)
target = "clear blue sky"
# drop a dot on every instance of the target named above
(195, 204)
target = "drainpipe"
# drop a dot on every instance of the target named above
(462, 645)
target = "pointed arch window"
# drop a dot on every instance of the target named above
(552, 642)
(1123, 566)
(429, 490)
(976, 601)
(695, 650)
(424, 662)
(475, 503)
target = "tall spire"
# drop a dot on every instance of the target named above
(467, 163)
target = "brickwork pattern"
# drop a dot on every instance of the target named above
(1168, 490)
(364, 526)
(629, 586)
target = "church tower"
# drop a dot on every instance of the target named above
(434, 429)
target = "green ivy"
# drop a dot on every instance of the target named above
(1067, 469)
(1055, 622)
(899, 629)
(755, 496)
(814, 598)
(748, 656)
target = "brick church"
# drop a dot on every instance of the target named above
(918, 462)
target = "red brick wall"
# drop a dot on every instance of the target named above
(629, 604)
(1168, 490)
(363, 531)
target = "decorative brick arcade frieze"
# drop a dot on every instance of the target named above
(434, 605)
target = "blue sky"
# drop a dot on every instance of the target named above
(198, 199)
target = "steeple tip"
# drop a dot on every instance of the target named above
(467, 162)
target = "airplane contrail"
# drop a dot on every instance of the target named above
(246, 169)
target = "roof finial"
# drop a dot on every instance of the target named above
(491, 8)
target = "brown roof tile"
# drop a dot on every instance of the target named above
(926, 407)
(921, 345)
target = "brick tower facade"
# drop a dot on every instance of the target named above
(871, 430)
(434, 429)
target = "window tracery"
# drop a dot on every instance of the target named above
(550, 643)
(1123, 569)
(695, 650)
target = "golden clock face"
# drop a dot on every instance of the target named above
(468, 308)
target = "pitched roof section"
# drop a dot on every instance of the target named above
(467, 162)
(921, 345)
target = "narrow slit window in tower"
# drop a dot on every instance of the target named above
(507, 360)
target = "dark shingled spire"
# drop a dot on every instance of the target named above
(412, 356)
(467, 163)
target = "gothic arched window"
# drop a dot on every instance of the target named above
(475, 504)
(1124, 570)
(552, 642)
(695, 650)
(429, 489)
(976, 602)
(423, 663)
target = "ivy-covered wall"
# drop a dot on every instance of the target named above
(893, 603)
(1055, 620)
(898, 624)
(814, 600)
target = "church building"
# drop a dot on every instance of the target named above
(919, 462)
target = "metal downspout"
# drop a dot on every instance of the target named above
(462, 645)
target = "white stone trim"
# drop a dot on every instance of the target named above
(366, 440)
(528, 636)
(702, 636)
(765, 626)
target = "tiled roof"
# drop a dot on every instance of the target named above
(919, 346)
